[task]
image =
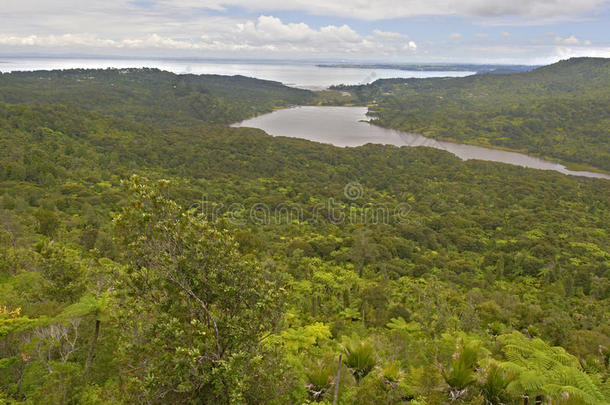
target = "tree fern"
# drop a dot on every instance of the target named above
(549, 371)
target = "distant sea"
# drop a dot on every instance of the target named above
(295, 74)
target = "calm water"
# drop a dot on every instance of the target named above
(343, 126)
(303, 75)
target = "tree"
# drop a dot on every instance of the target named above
(64, 270)
(192, 310)
(48, 222)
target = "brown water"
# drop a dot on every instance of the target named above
(343, 126)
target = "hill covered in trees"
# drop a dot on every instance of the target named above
(152, 96)
(200, 263)
(560, 111)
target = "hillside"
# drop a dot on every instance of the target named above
(560, 111)
(152, 96)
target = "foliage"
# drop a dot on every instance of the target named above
(460, 374)
(359, 358)
(544, 370)
(152, 96)
(206, 308)
(426, 300)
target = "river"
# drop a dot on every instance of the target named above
(344, 126)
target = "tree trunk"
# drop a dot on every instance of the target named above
(337, 381)
(92, 348)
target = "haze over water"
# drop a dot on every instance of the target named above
(295, 74)
(344, 126)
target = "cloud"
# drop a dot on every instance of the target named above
(571, 40)
(409, 46)
(240, 28)
(271, 30)
(569, 52)
(55, 40)
(389, 35)
(265, 33)
(70, 40)
(358, 9)
(482, 36)
(389, 9)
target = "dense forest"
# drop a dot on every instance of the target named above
(154, 257)
(560, 111)
(152, 96)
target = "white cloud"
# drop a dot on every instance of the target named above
(266, 33)
(389, 35)
(410, 46)
(365, 10)
(188, 28)
(271, 30)
(268, 28)
(482, 36)
(571, 40)
(569, 52)
(55, 40)
(384, 9)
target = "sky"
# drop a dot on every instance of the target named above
(397, 31)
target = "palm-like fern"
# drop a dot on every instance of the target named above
(461, 373)
(319, 380)
(359, 358)
(494, 382)
(549, 371)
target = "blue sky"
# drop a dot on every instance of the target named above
(484, 31)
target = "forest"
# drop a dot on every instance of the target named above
(558, 111)
(152, 96)
(149, 253)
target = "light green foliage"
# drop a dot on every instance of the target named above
(11, 321)
(359, 358)
(296, 339)
(460, 373)
(319, 380)
(206, 309)
(494, 382)
(540, 369)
